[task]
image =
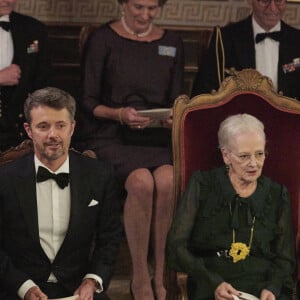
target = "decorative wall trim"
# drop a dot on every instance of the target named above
(175, 12)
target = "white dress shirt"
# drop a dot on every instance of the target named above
(53, 205)
(267, 54)
(52, 226)
(6, 48)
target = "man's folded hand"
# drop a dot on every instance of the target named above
(35, 293)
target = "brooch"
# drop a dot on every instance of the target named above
(291, 67)
(239, 251)
(33, 48)
(167, 51)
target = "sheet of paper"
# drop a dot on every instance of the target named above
(245, 296)
(66, 298)
(157, 113)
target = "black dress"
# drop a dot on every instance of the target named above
(120, 72)
(203, 225)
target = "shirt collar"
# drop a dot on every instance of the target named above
(4, 18)
(64, 168)
(258, 29)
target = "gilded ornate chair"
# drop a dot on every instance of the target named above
(15, 152)
(195, 146)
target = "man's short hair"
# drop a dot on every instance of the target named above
(50, 97)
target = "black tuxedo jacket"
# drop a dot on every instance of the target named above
(238, 40)
(96, 227)
(34, 72)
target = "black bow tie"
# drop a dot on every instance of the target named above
(275, 35)
(62, 179)
(5, 25)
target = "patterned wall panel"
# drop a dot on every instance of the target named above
(175, 12)
(191, 13)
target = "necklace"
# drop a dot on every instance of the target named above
(239, 251)
(128, 30)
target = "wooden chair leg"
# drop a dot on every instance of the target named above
(182, 285)
(176, 285)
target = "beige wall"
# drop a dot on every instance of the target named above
(175, 12)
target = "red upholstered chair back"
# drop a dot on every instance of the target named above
(196, 123)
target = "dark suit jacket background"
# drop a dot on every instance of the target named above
(89, 179)
(239, 51)
(34, 67)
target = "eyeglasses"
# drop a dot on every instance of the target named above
(266, 3)
(246, 157)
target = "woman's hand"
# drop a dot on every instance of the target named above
(167, 123)
(224, 291)
(267, 295)
(130, 117)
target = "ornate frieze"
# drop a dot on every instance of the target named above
(175, 12)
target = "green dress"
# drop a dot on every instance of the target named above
(203, 225)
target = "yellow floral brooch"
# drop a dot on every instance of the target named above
(239, 251)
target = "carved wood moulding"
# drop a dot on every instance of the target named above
(175, 12)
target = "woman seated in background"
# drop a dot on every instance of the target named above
(232, 231)
(129, 65)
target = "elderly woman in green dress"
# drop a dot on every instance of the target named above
(232, 232)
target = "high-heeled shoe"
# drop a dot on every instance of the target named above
(149, 292)
(157, 292)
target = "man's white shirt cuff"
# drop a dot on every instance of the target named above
(23, 289)
(98, 279)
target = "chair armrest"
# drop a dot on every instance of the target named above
(90, 153)
(16, 152)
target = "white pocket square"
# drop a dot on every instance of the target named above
(93, 203)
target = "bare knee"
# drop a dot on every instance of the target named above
(163, 177)
(140, 182)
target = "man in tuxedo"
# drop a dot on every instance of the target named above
(263, 42)
(24, 67)
(59, 215)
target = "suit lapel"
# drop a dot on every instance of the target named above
(283, 55)
(79, 192)
(26, 194)
(245, 45)
(78, 189)
(20, 46)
